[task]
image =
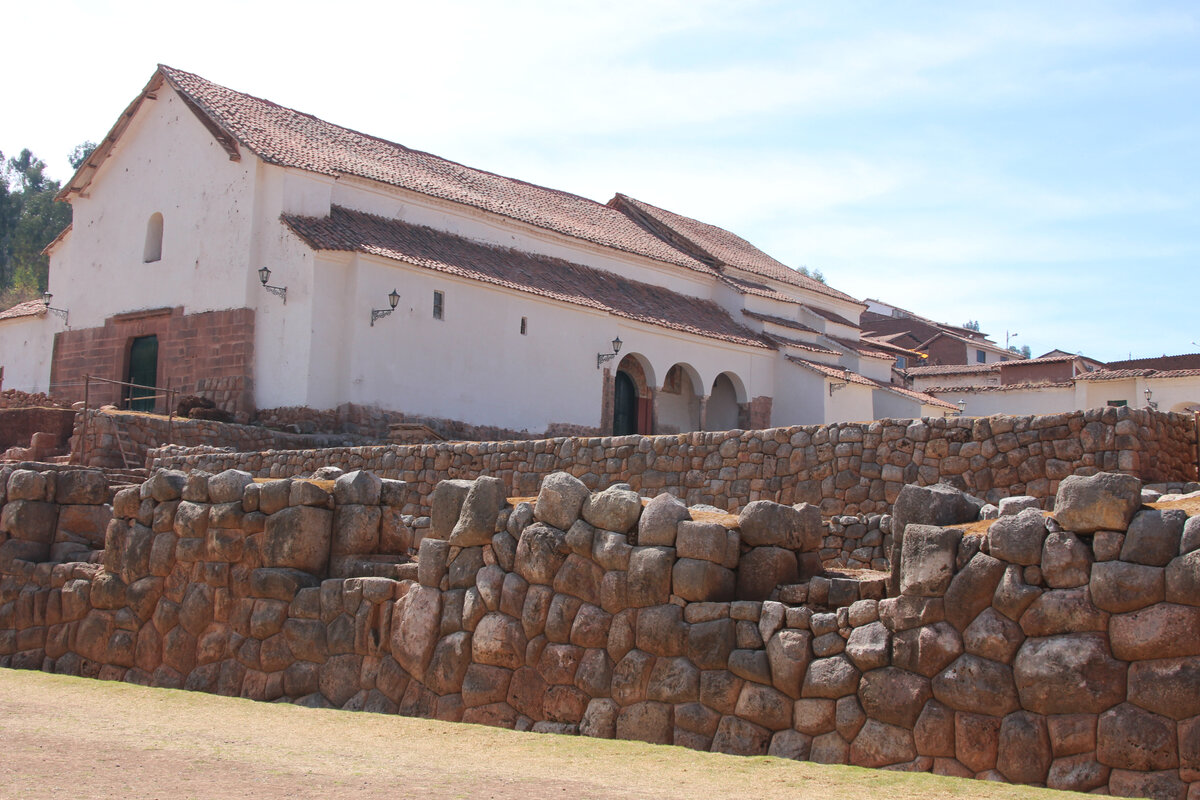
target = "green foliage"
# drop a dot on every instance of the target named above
(29, 220)
(971, 325)
(80, 154)
(1023, 351)
(815, 274)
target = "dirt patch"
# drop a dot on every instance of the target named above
(85, 739)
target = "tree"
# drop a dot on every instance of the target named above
(29, 220)
(1023, 351)
(815, 274)
(81, 153)
(972, 325)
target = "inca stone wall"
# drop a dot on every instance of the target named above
(1058, 650)
(847, 468)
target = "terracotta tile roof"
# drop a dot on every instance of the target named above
(747, 287)
(838, 373)
(1117, 374)
(1010, 387)
(951, 369)
(1183, 361)
(1042, 360)
(347, 230)
(717, 245)
(30, 308)
(280, 135)
(829, 315)
(781, 321)
(809, 346)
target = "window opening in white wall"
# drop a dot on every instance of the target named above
(439, 305)
(154, 234)
(524, 326)
(980, 356)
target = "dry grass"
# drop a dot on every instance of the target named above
(79, 738)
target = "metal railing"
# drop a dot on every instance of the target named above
(158, 392)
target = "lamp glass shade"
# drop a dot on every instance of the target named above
(46, 299)
(616, 344)
(264, 275)
(393, 298)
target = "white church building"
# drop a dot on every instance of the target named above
(222, 241)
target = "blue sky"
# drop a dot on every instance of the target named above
(1033, 166)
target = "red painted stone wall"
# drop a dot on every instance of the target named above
(191, 348)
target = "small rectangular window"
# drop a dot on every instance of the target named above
(439, 305)
(1117, 403)
(901, 362)
(524, 326)
(980, 356)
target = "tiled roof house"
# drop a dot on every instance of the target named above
(222, 240)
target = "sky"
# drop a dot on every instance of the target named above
(1032, 166)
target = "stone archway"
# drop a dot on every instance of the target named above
(723, 411)
(632, 398)
(679, 402)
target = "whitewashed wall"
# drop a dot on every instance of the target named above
(26, 344)
(166, 162)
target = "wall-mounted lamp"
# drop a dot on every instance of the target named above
(603, 357)
(1150, 403)
(62, 312)
(264, 275)
(835, 385)
(380, 313)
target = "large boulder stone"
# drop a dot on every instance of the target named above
(1071, 674)
(445, 504)
(499, 640)
(659, 520)
(894, 696)
(1183, 579)
(1118, 586)
(228, 486)
(1024, 754)
(416, 625)
(1077, 773)
(358, 486)
(30, 520)
(977, 685)
(1153, 536)
(1063, 611)
(940, 505)
(298, 536)
(927, 560)
(831, 678)
(1013, 595)
(879, 745)
(81, 487)
(1066, 560)
(926, 650)
(647, 721)
(1129, 737)
(541, 552)
(788, 654)
(1102, 502)
(1168, 686)
(477, 518)
(615, 509)
(355, 529)
(560, 500)
(702, 581)
(1018, 539)
(761, 569)
(740, 737)
(971, 590)
(993, 636)
(1163, 630)
(707, 541)
(764, 706)
(767, 524)
(869, 646)
(648, 580)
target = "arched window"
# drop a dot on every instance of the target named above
(154, 234)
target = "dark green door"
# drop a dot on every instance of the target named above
(143, 370)
(624, 406)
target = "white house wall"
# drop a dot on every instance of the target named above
(800, 396)
(166, 162)
(1046, 400)
(889, 404)
(854, 402)
(25, 347)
